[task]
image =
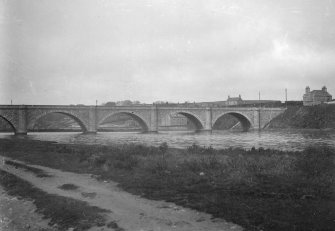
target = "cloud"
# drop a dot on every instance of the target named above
(77, 51)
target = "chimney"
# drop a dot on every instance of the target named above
(308, 89)
(324, 89)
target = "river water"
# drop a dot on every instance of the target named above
(281, 139)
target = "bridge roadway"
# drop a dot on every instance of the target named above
(22, 118)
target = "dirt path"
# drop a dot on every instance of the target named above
(130, 212)
(17, 214)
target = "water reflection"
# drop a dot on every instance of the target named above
(282, 140)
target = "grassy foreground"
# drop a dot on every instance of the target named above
(63, 212)
(257, 189)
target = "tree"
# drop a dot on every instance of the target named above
(109, 104)
(159, 102)
(125, 103)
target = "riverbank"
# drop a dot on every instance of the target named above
(81, 202)
(257, 189)
(306, 117)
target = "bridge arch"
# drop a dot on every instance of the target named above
(9, 122)
(243, 119)
(76, 118)
(193, 118)
(142, 122)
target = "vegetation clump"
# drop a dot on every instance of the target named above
(68, 187)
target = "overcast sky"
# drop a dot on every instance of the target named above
(77, 51)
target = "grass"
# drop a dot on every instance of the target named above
(258, 189)
(38, 172)
(314, 117)
(63, 211)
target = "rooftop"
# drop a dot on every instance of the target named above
(234, 98)
(320, 93)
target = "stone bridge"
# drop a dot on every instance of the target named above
(22, 118)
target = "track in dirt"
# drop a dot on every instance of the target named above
(129, 211)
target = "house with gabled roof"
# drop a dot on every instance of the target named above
(316, 97)
(234, 100)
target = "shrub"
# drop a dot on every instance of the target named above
(127, 162)
(314, 162)
(194, 149)
(211, 162)
(97, 159)
(163, 147)
(192, 165)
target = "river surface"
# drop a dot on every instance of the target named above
(282, 140)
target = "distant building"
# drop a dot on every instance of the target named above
(316, 97)
(234, 100)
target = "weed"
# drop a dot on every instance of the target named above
(38, 172)
(163, 147)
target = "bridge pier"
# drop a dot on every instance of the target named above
(92, 127)
(207, 126)
(90, 132)
(208, 120)
(150, 132)
(153, 126)
(259, 127)
(21, 128)
(204, 131)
